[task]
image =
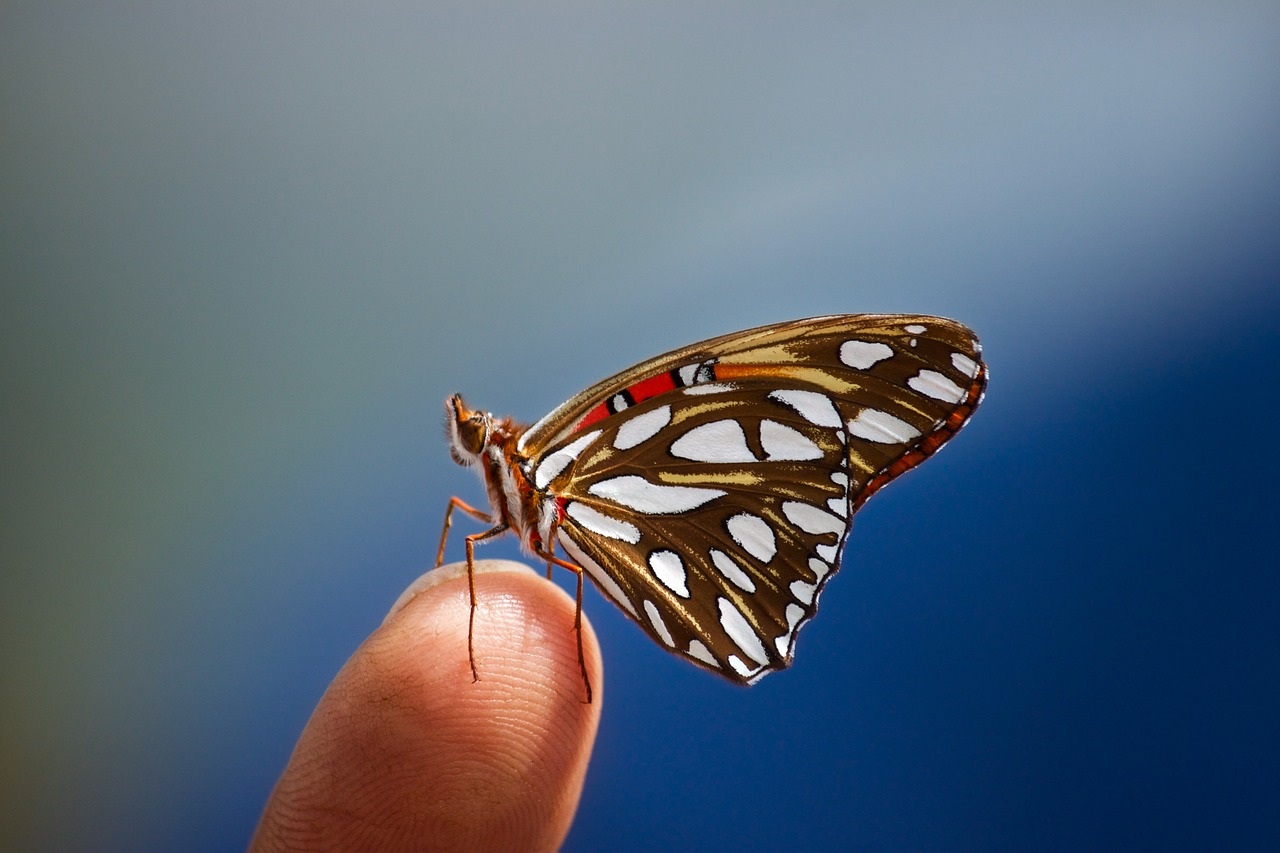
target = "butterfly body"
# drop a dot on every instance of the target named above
(708, 492)
(480, 440)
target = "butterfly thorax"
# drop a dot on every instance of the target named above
(490, 444)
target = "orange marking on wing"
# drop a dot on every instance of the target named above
(930, 444)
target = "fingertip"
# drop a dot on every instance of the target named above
(523, 730)
(524, 637)
(496, 763)
(448, 572)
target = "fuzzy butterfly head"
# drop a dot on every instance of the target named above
(468, 431)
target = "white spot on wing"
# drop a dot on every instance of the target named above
(655, 618)
(607, 584)
(732, 571)
(710, 388)
(552, 465)
(639, 494)
(781, 443)
(718, 441)
(669, 568)
(754, 535)
(810, 519)
(815, 408)
(915, 329)
(882, 427)
(642, 427)
(702, 653)
(827, 552)
(964, 364)
(818, 568)
(802, 591)
(933, 384)
(861, 355)
(838, 505)
(741, 632)
(604, 525)
(795, 615)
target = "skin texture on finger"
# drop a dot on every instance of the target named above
(405, 752)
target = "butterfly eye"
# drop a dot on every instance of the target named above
(468, 431)
(474, 431)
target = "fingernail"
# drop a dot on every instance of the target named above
(448, 572)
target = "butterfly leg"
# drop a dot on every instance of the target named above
(458, 503)
(552, 552)
(552, 559)
(471, 584)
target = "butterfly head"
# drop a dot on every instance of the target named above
(468, 431)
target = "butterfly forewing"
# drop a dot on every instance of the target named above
(782, 343)
(709, 491)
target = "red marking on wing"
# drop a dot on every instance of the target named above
(651, 387)
(641, 391)
(599, 413)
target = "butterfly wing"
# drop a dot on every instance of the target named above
(709, 491)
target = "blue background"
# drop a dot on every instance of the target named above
(246, 250)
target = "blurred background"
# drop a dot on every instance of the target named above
(246, 249)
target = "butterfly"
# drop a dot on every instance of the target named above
(708, 492)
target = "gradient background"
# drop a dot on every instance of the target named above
(247, 249)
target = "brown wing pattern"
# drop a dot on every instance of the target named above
(715, 513)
